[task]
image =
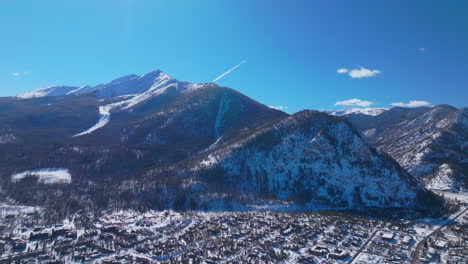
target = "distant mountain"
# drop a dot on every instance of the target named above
(127, 85)
(51, 91)
(151, 141)
(364, 111)
(430, 142)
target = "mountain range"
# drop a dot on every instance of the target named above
(431, 143)
(153, 142)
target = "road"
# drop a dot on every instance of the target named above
(421, 243)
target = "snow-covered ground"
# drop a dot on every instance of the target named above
(461, 197)
(443, 179)
(45, 175)
(7, 209)
(368, 258)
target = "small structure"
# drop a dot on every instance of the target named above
(339, 254)
(441, 244)
(319, 251)
(388, 236)
(407, 240)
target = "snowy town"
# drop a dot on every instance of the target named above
(233, 237)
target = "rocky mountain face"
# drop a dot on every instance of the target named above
(319, 160)
(151, 141)
(431, 143)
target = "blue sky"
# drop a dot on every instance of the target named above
(401, 50)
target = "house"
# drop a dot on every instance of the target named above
(407, 240)
(388, 236)
(441, 244)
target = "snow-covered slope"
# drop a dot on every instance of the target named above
(124, 93)
(133, 84)
(104, 117)
(162, 85)
(431, 143)
(127, 85)
(50, 91)
(364, 111)
(317, 159)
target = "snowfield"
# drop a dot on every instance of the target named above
(7, 209)
(443, 179)
(104, 117)
(45, 175)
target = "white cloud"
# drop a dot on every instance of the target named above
(355, 102)
(363, 73)
(279, 107)
(422, 49)
(16, 74)
(228, 71)
(412, 104)
(359, 73)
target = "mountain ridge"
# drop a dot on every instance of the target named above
(430, 142)
(312, 166)
(153, 142)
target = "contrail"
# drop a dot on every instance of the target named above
(229, 71)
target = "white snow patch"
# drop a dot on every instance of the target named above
(7, 138)
(211, 160)
(461, 197)
(45, 175)
(81, 90)
(369, 132)
(443, 179)
(104, 117)
(7, 209)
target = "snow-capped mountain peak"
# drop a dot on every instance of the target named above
(131, 90)
(48, 91)
(126, 85)
(134, 84)
(364, 111)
